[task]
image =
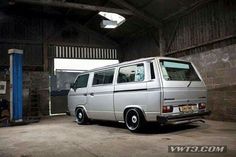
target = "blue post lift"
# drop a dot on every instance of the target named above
(16, 85)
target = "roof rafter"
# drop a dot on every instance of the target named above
(138, 13)
(80, 6)
(94, 15)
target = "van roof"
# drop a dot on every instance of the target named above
(130, 62)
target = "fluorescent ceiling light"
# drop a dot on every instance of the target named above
(115, 20)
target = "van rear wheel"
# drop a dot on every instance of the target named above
(81, 116)
(134, 120)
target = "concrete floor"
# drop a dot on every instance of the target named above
(60, 136)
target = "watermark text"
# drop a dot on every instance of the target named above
(197, 149)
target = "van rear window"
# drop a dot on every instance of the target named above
(178, 71)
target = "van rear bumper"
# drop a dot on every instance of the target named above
(182, 118)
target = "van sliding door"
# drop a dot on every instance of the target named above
(100, 95)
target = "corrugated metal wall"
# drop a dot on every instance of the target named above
(201, 29)
(82, 52)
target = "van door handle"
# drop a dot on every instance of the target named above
(85, 94)
(92, 94)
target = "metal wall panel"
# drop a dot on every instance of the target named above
(76, 52)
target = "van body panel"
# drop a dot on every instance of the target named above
(150, 94)
(182, 92)
(100, 100)
(154, 93)
(75, 98)
(126, 94)
(153, 101)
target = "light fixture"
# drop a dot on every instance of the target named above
(113, 20)
(108, 24)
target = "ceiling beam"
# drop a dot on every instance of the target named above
(94, 15)
(138, 13)
(61, 4)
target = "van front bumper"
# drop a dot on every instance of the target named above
(182, 118)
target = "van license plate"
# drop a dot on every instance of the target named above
(188, 108)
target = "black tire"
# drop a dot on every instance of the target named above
(134, 120)
(81, 116)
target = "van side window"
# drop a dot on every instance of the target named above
(103, 77)
(82, 81)
(152, 71)
(134, 73)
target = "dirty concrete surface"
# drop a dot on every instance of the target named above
(61, 137)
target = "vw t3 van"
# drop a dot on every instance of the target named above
(157, 89)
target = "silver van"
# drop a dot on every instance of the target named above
(156, 89)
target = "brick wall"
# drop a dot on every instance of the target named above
(31, 80)
(40, 82)
(218, 69)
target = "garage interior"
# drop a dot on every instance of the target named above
(200, 31)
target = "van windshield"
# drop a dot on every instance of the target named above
(178, 71)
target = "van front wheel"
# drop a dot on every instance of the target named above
(81, 116)
(134, 120)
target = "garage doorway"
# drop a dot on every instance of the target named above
(65, 72)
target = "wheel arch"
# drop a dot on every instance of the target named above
(80, 106)
(136, 107)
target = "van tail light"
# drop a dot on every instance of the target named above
(201, 106)
(166, 109)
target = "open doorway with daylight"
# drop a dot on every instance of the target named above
(65, 73)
